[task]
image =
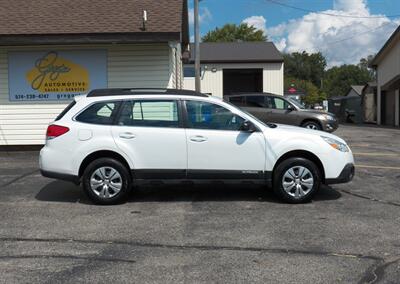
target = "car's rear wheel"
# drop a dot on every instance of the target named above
(106, 181)
(311, 125)
(296, 180)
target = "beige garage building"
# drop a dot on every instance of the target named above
(237, 67)
(52, 50)
(387, 65)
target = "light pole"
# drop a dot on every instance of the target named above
(197, 46)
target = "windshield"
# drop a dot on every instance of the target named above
(297, 103)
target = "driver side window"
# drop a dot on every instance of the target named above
(203, 115)
(279, 103)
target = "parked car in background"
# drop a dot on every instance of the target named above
(277, 109)
(112, 139)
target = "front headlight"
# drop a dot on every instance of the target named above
(336, 144)
(330, 117)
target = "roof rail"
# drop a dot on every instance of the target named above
(142, 91)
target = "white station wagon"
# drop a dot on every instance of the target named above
(112, 139)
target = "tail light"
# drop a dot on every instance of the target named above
(54, 131)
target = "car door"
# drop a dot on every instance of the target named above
(280, 112)
(150, 132)
(217, 149)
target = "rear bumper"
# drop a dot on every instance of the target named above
(66, 177)
(346, 175)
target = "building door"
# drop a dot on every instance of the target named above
(242, 80)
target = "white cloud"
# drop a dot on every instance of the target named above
(281, 45)
(259, 22)
(343, 40)
(204, 15)
(359, 6)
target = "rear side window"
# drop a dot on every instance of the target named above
(99, 113)
(255, 101)
(67, 109)
(237, 101)
(150, 113)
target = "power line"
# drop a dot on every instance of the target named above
(330, 14)
(358, 34)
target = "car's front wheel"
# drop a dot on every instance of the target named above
(296, 180)
(106, 181)
(311, 125)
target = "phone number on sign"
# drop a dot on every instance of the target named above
(45, 96)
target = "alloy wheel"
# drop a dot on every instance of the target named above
(106, 182)
(312, 126)
(298, 181)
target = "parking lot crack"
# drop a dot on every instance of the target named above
(375, 272)
(199, 247)
(18, 178)
(370, 198)
(66, 256)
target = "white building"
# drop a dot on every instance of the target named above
(50, 52)
(237, 67)
(387, 65)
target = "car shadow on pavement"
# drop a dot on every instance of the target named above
(60, 191)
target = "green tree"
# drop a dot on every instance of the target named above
(305, 66)
(235, 33)
(314, 94)
(338, 79)
(365, 64)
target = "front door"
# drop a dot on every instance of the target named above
(151, 134)
(217, 149)
(279, 111)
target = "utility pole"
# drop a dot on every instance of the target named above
(197, 47)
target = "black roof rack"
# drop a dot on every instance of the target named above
(142, 91)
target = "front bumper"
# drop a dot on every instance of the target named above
(346, 175)
(330, 125)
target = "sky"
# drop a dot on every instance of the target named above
(344, 31)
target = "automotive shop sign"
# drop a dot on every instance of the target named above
(55, 75)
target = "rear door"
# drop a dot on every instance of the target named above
(256, 105)
(150, 132)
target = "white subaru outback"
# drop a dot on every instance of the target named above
(112, 139)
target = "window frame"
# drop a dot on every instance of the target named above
(114, 119)
(179, 111)
(186, 116)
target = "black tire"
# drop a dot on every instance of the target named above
(312, 125)
(123, 176)
(296, 164)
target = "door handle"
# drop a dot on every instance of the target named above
(198, 138)
(127, 135)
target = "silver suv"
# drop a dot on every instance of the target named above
(277, 109)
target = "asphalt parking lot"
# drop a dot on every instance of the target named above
(349, 233)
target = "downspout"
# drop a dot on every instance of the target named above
(176, 68)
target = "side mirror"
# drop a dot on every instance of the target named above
(290, 108)
(247, 126)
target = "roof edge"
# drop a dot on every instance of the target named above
(92, 38)
(378, 56)
(239, 61)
